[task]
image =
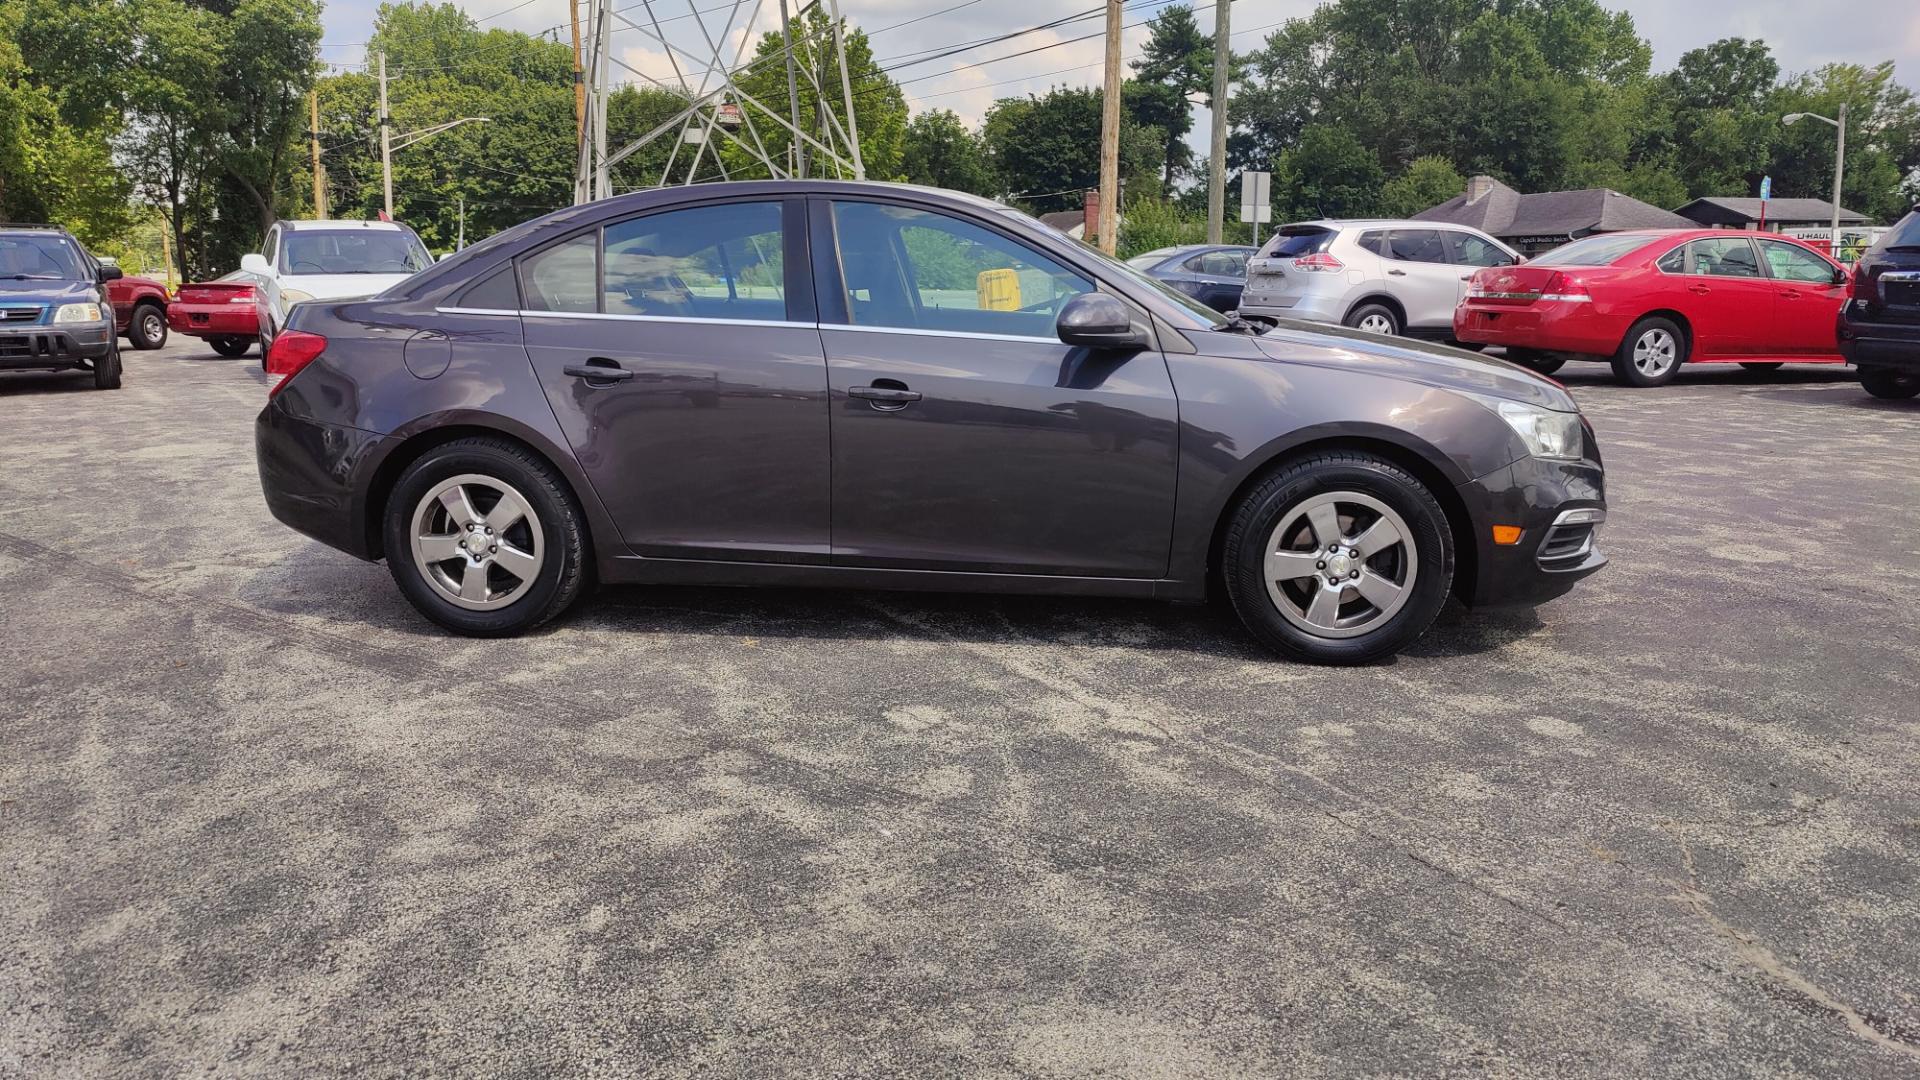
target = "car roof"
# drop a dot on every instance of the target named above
(340, 224)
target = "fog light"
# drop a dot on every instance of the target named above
(1506, 535)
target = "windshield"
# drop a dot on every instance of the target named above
(1594, 250)
(352, 251)
(41, 255)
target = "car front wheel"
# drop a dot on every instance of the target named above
(484, 538)
(106, 370)
(1339, 558)
(1892, 385)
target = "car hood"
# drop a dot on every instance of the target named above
(340, 286)
(1414, 361)
(35, 291)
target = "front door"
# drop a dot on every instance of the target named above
(1726, 299)
(1421, 277)
(679, 352)
(1807, 298)
(965, 435)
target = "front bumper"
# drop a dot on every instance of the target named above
(1559, 507)
(53, 348)
(1879, 344)
(315, 478)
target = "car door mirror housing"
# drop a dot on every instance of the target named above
(1840, 275)
(1098, 321)
(108, 273)
(254, 263)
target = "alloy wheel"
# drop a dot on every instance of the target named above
(1655, 352)
(477, 541)
(1376, 324)
(1340, 564)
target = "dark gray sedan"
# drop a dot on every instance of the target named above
(875, 386)
(1214, 274)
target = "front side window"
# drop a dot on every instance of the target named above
(1790, 262)
(1470, 250)
(269, 249)
(1416, 245)
(352, 251)
(712, 262)
(914, 269)
(1729, 257)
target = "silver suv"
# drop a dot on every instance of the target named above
(1389, 277)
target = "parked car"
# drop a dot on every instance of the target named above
(1213, 274)
(330, 260)
(1649, 302)
(784, 383)
(1385, 277)
(227, 313)
(139, 310)
(54, 314)
(1879, 327)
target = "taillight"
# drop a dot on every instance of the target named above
(1861, 285)
(1319, 263)
(291, 351)
(1562, 286)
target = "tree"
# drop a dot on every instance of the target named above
(941, 152)
(1883, 137)
(880, 107)
(1330, 174)
(174, 124)
(1176, 63)
(1426, 183)
(1046, 150)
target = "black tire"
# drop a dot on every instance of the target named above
(562, 572)
(147, 326)
(1664, 340)
(1538, 361)
(1366, 312)
(230, 347)
(1889, 384)
(1277, 501)
(106, 370)
(1764, 366)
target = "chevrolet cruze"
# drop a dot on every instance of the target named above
(875, 386)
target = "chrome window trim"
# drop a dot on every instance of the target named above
(476, 311)
(939, 333)
(609, 316)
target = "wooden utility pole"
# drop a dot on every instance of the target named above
(319, 172)
(796, 160)
(579, 79)
(1217, 155)
(1110, 136)
(386, 141)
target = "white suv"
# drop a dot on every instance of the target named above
(330, 260)
(1388, 277)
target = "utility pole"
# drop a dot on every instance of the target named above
(603, 64)
(461, 243)
(797, 164)
(386, 140)
(1217, 152)
(319, 173)
(1839, 167)
(846, 82)
(1109, 224)
(579, 79)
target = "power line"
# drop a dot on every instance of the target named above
(1063, 71)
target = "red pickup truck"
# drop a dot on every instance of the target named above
(139, 311)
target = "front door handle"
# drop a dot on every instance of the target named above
(1397, 273)
(598, 369)
(886, 395)
(1791, 294)
(1701, 289)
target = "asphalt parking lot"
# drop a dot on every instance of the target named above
(257, 817)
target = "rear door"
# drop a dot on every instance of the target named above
(706, 436)
(1421, 276)
(1725, 296)
(1807, 297)
(966, 436)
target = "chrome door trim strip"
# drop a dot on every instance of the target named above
(915, 331)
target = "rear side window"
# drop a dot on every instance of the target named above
(709, 262)
(1375, 242)
(1730, 257)
(495, 292)
(1675, 261)
(1294, 241)
(1470, 250)
(1219, 263)
(1416, 245)
(564, 277)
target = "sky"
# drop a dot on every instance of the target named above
(1804, 34)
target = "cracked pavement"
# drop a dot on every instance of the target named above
(258, 818)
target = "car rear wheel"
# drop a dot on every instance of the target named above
(1651, 353)
(1339, 558)
(1538, 361)
(230, 347)
(1764, 366)
(148, 327)
(1374, 319)
(484, 538)
(1892, 385)
(106, 370)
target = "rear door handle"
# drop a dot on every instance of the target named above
(888, 394)
(598, 369)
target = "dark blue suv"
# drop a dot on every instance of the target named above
(1879, 327)
(54, 315)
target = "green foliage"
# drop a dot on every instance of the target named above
(1330, 174)
(880, 108)
(1426, 183)
(1176, 62)
(1046, 150)
(941, 152)
(1150, 224)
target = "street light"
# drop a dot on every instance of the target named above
(1839, 162)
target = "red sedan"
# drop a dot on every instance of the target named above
(227, 313)
(1651, 301)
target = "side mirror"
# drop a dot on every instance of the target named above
(108, 273)
(1840, 275)
(253, 263)
(1098, 321)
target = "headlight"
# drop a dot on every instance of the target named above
(290, 297)
(1547, 433)
(70, 313)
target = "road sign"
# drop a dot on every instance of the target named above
(1766, 188)
(1256, 197)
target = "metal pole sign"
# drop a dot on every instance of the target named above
(1256, 200)
(1766, 192)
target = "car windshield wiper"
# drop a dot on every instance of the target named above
(1235, 324)
(34, 277)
